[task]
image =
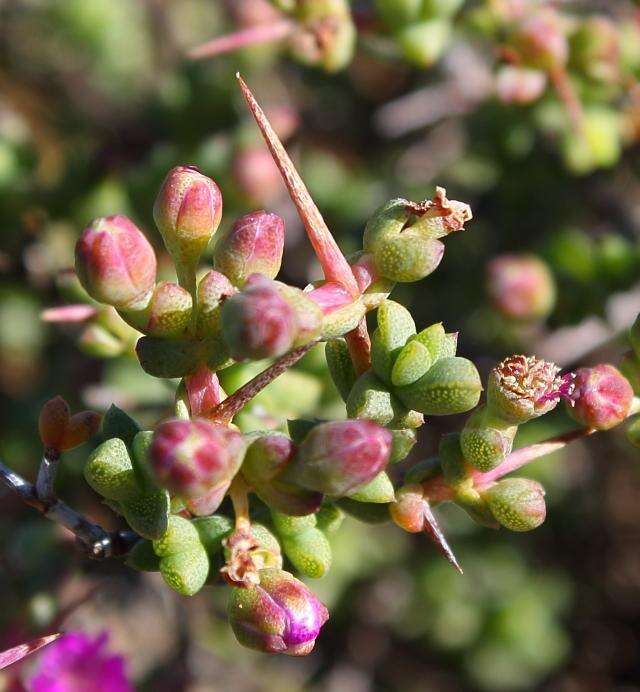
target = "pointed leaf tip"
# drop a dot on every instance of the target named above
(17, 653)
(333, 262)
(434, 531)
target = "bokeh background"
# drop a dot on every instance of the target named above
(97, 102)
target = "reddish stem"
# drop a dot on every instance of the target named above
(359, 344)
(225, 411)
(567, 94)
(333, 262)
(252, 36)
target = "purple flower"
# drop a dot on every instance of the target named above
(78, 662)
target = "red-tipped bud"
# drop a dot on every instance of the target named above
(60, 431)
(192, 458)
(541, 41)
(115, 263)
(520, 85)
(407, 511)
(338, 457)
(280, 615)
(521, 287)
(524, 387)
(254, 244)
(602, 397)
(258, 322)
(187, 211)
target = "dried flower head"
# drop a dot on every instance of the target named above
(525, 387)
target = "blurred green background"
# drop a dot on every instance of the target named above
(97, 102)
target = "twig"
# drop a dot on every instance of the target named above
(97, 542)
(47, 476)
(252, 36)
(333, 262)
(224, 412)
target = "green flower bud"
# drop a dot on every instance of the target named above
(378, 490)
(184, 564)
(187, 211)
(370, 399)
(168, 358)
(309, 552)
(403, 442)
(213, 289)
(423, 43)
(327, 35)
(412, 363)
(486, 440)
(254, 244)
(395, 327)
(169, 311)
(450, 386)
(340, 366)
(517, 503)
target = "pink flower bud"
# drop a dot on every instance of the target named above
(258, 322)
(115, 263)
(192, 458)
(521, 287)
(254, 244)
(541, 41)
(524, 387)
(338, 457)
(519, 85)
(170, 313)
(187, 211)
(280, 615)
(257, 175)
(602, 397)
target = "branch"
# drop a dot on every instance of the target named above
(97, 542)
(224, 412)
(333, 262)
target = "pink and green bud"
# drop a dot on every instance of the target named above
(541, 41)
(267, 458)
(486, 440)
(423, 43)
(524, 387)
(407, 511)
(254, 244)
(450, 386)
(169, 312)
(116, 263)
(520, 85)
(187, 211)
(194, 458)
(517, 503)
(326, 37)
(214, 288)
(337, 457)
(279, 615)
(403, 236)
(521, 287)
(602, 397)
(258, 322)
